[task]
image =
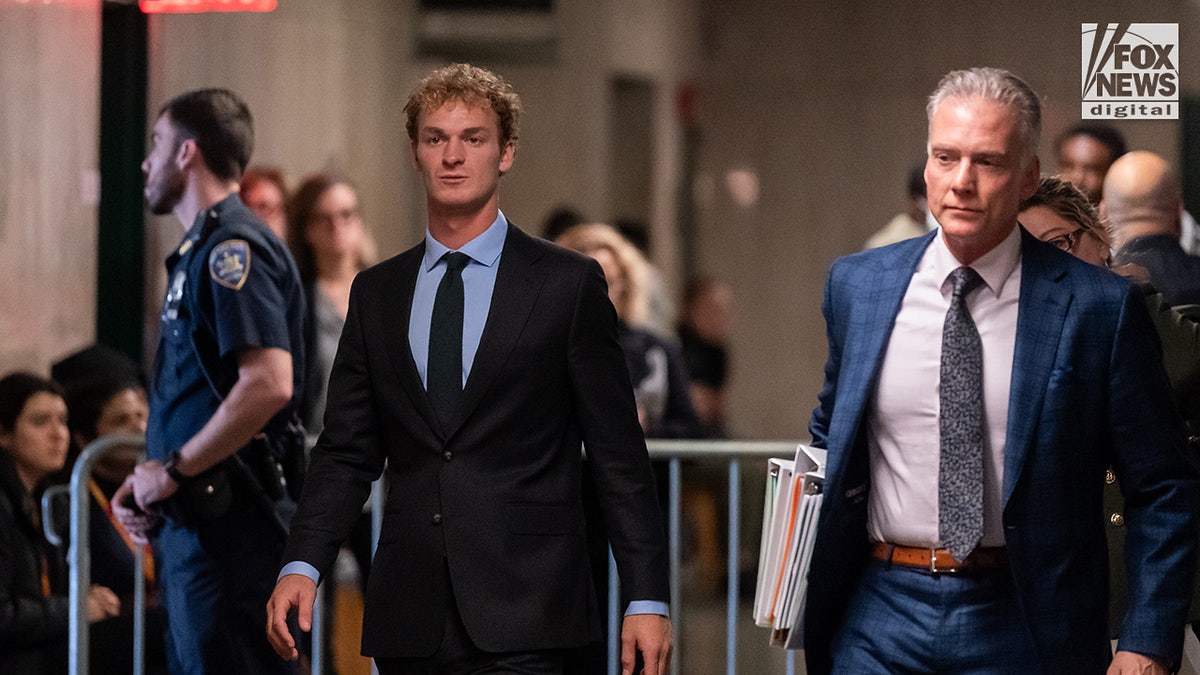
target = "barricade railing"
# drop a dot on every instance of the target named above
(674, 452)
(79, 555)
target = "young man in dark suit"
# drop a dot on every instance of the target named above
(472, 367)
(962, 528)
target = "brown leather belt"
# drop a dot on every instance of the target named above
(939, 560)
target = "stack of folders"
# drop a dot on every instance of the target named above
(790, 510)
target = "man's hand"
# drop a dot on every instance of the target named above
(649, 634)
(137, 523)
(293, 590)
(151, 485)
(1132, 663)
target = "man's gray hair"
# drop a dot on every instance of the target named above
(1001, 86)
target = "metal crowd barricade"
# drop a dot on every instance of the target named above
(675, 451)
(79, 561)
(79, 556)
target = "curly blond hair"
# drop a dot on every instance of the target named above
(470, 85)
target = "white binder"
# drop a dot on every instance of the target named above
(790, 513)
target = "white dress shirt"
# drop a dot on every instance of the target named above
(902, 425)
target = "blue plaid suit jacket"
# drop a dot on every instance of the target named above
(1088, 391)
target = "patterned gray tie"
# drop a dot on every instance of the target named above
(960, 479)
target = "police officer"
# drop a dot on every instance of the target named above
(229, 363)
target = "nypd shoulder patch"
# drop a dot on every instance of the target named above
(229, 263)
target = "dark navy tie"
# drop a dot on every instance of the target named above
(444, 374)
(960, 479)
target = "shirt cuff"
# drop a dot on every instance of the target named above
(643, 607)
(300, 567)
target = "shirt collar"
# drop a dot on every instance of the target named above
(199, 228)
(995, 266)
(484, 249)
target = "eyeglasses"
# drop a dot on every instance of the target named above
(1066, 242)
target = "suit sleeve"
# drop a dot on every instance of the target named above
(1159, 485)
(347, 457)
(1180, 335)
(818, 426)
(614, 443)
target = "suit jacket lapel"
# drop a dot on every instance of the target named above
(395, 311)
(518, 281)
(1042, 310)
(879, 290)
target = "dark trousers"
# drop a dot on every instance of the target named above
(904, 620)
(215, 579)
(458, 655)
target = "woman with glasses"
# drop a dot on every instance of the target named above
(331, 246)
(1059, 214)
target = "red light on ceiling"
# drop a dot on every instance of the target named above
(194, 6)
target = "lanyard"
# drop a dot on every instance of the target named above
(147, 557)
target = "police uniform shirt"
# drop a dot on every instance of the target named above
(231, 285)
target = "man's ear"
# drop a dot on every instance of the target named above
(507, 155)
(187, 153)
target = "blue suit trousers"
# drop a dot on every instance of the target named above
(907, 620)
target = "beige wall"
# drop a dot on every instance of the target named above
(49, 126)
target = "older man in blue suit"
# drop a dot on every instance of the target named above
(979, 383)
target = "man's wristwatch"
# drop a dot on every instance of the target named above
(173, 471)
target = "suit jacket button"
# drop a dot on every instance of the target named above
(447, 455)
(1117, 519)
(1109, 477)
(437, 519)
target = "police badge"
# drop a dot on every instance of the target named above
(229, 263)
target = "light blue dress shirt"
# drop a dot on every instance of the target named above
(479, 280)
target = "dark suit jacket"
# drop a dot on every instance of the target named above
(1088, 390)
(491, 505)
(1173, 271)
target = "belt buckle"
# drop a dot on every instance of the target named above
(933, 568)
